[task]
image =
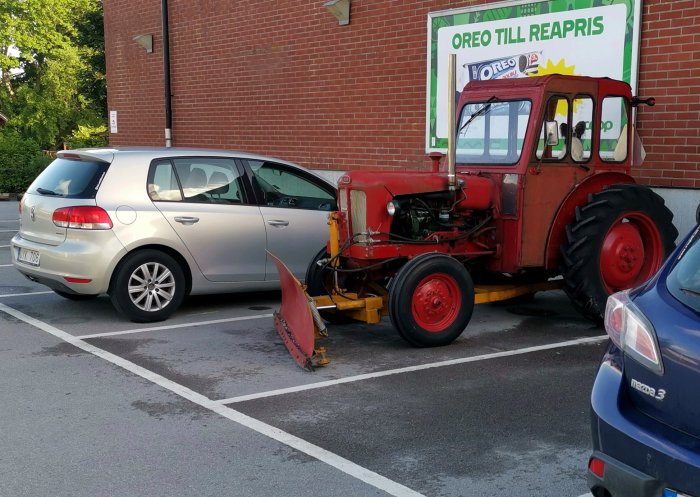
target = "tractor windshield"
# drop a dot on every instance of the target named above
(492, 132)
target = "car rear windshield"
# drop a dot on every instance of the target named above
(684, 279)
(70, 178)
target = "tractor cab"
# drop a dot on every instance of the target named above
(540, 139)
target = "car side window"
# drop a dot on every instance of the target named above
(209, 180)
(282, 186)
(162, 182)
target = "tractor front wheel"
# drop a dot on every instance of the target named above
(617, 241)
(431, 300)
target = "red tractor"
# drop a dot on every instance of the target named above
(537, 186)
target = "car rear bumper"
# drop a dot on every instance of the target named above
(89, 259)
(642, 456)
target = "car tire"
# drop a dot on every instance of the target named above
(74, 296)
(431, 300)
(319, 281)
(148, 286)
(318, 278)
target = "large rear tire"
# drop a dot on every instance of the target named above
(617, 241)
(431, 300)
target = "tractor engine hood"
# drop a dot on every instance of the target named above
(479, 190)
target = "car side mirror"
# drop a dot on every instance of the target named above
(551, 130)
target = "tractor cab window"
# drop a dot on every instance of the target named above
(492, 132)
(552, 144)
(613, 129)
(580, 128)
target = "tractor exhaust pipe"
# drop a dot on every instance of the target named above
(451, 123)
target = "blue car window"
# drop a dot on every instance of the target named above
(684, 279)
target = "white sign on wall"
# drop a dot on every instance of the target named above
(112, 121)
(520, 39)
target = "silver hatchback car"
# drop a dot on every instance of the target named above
(149, 226)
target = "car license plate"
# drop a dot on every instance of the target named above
(672, 493)
(30, 257)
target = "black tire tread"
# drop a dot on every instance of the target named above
(120, 299)
(584, 237)
(402, 318)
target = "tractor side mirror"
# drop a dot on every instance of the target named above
(551, 129)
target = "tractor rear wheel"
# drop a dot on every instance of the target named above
(431, 300)
(617, 241)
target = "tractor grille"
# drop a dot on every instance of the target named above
(358, 214)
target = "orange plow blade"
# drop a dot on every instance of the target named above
(295, 321)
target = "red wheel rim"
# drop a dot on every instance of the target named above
(632, 252)
(436, 302)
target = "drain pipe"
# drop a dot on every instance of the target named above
(166, 75)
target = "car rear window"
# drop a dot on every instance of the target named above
(70, 178)
(684, 279)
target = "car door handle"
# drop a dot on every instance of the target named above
(186, 220)
(278, 222)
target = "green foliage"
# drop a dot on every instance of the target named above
(52, 76)
(88, 137)
(21, 160)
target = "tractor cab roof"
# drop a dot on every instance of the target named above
(551, 82)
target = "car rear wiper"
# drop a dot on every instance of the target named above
(690, 291)
(44, 191)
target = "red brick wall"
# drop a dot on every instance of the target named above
(283, 78)
(670, 71)
(134, 78)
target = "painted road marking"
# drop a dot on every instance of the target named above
(8, 231)
(410, 369)
(346, 466)
(23, 294)
(173, 326)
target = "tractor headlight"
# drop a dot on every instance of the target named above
(392, 207)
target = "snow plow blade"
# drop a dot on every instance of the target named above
(297, 321)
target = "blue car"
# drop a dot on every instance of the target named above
(645, 404)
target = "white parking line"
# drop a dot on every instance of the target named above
(24, 294)
(8, 231)
(410, 369)
(4, 246)
(173, 326)
(5, 265)
(346, 466)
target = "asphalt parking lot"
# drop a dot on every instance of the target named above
(210, 403)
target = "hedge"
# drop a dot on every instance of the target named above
(21, 160)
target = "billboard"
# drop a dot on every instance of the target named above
(518, 39)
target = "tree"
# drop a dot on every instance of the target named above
(52, 68)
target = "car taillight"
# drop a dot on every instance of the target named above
(83, 217)
(597, 467)
(632, 332)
